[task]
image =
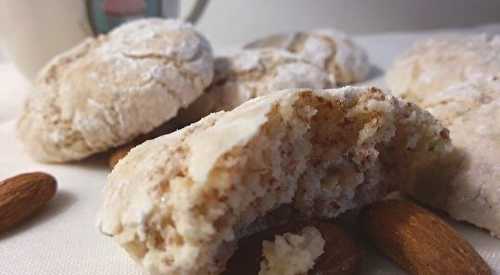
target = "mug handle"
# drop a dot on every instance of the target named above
(196, 11)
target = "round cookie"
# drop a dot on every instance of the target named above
(471, 111)
(241, 76)
(435, 64)
(329, 49)
(113, 88)
(178, 203)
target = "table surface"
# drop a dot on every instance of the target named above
(63, 239)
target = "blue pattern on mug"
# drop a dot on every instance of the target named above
(105, 15)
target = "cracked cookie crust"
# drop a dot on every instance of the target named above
(246, 74)
(113, 88)
(331, 50)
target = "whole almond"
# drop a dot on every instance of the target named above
(419, 241)
(23, 195)
(342, 256)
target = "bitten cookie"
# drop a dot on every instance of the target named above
(241, 76)
(109, 90)
(472, 112)
(329, 49)
(435, 64)
(178, 203)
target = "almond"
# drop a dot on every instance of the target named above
(23, 195)
(419, 241)
(342, 256)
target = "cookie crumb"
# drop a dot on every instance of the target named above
(292, 254)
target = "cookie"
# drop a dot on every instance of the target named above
(241, 76)
(178, 203)
(436, 64)
(110, 89)
(329, 49)
(471, 191)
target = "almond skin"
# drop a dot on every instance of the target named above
(342, 256)
(23, 195)
(419, 241)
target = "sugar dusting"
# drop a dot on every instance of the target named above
(435, 64)
(110, 89)
(321, 47)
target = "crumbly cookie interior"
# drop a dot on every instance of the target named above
(322, 155)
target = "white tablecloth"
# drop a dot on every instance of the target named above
(63, 239)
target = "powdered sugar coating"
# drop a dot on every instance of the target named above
(110, 89)
(471, 111)
(327, 48)
(178, 203)
(435, 64)
(243, 75)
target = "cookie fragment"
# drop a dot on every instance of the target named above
(292, 254)
(341, 256)
(177, 203)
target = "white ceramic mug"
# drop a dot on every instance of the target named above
(33, 31)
